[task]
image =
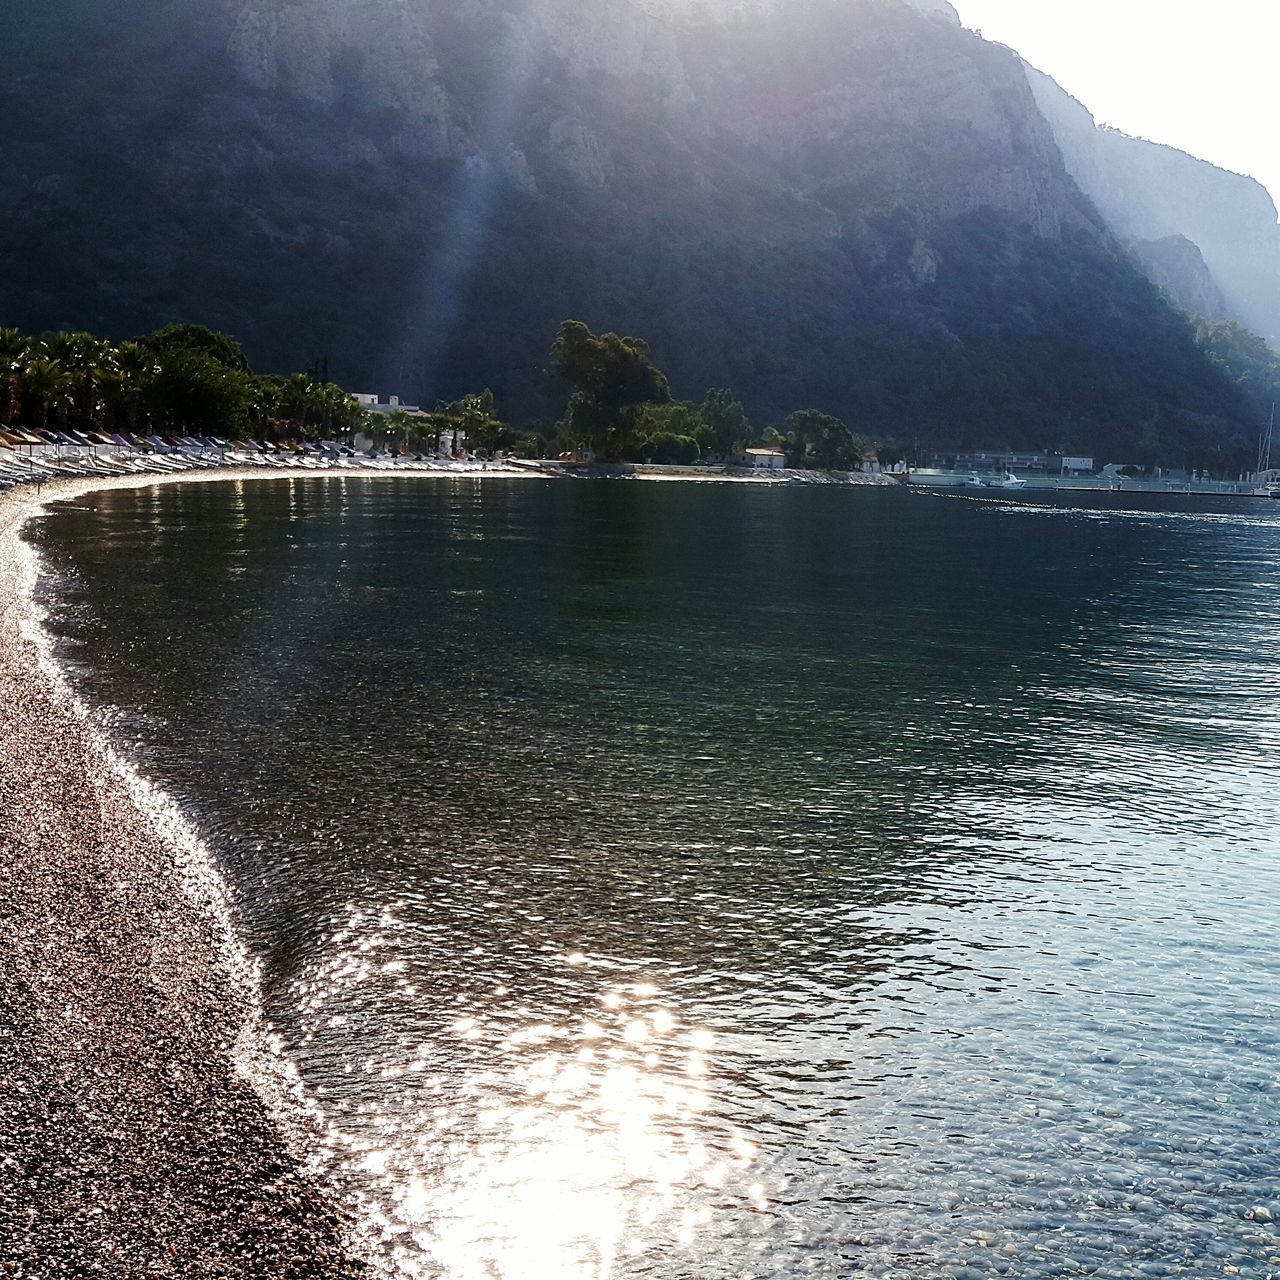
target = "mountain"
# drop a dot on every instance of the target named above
(1176, 266)
(1156, 195)
(850, 205)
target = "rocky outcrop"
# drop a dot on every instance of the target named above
(873, 118)
(1151, 193)
(319, 52)
(1177, 266)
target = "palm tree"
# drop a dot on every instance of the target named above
(47, 384)
(398, 423)
(265, 403)
(135, 365)
(338, 411)
(15, 348)
(473, 419)
(298, 398)
(85, 359)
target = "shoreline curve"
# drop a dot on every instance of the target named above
(146, 1125)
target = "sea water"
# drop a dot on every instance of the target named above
(733, 881)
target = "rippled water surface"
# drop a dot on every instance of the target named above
(721, 882)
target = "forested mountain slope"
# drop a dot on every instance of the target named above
(851, 205)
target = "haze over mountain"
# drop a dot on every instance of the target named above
(852, 205)
(1154, 195)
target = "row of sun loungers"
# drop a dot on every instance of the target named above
(36, 457)
(28, 457)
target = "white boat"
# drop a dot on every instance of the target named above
(1008, 481)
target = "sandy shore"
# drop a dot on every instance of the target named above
(135, 1134)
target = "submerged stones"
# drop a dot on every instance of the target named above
(132, 1139)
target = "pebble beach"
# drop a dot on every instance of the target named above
(144, 1129)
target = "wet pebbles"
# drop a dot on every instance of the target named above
(132, 1140)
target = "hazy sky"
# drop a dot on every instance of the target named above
(1198, 74)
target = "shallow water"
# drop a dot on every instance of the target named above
(713, 881)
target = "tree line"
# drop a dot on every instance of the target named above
(621, 410)
(182, 379)
(188, 380)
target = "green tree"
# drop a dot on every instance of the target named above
(819, 440)
(664, 433)
(15, 350)
(723, 425)
(339, 412)
(86, 360)
(45, 385)
(300, 400)
(670, 449)
(890, 453)
(675, 418)
(400, 426)
(478, 420)
(473, 418)
(262, 409)
(612, 378)
(193, 393)
(183, 378)
(135, 366)
(196, 339)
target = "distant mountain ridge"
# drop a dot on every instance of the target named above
(851, 205)
(1153, 194)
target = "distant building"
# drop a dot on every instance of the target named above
(998, 461)
(369, 401)
(762, 459)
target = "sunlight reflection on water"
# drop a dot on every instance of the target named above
(583, 1141)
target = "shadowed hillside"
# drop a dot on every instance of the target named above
(855, 206)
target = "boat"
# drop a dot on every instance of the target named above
(1266, 479)
(1006, 482)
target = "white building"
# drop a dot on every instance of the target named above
(762, 459)
(369, 401)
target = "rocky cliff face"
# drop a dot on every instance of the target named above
(1154, 193)
(942, 8)
(1176, 266)
(872, 118)
(852, 204)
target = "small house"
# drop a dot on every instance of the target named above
(763, 459)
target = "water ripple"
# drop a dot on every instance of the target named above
(669, 882)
